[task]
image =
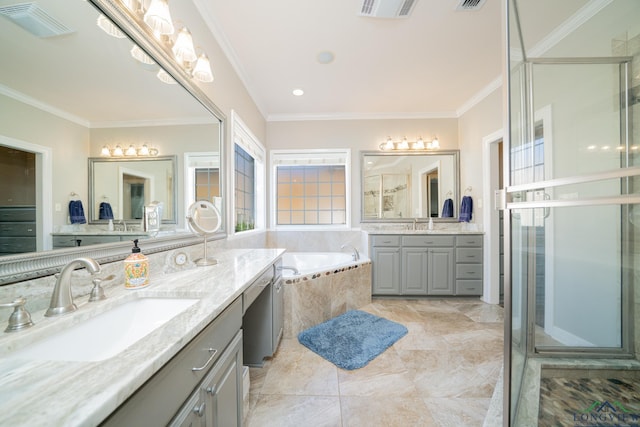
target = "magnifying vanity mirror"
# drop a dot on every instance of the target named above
(70, 96)
(205, 219)
(400, 185)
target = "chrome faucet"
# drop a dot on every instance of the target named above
(295, 271)
(61, 299)
(356, 254)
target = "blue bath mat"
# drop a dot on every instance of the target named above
(353, 339)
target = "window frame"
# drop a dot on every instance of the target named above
(309, 157)
(242, 136)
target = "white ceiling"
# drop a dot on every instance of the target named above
(427, 65)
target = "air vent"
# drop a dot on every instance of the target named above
(470, 4)
(34, 19)
(387, 8)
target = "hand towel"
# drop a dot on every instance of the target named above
(76, 212)
(447, 209)
(466, 207)
(105, 211)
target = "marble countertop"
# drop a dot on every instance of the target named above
(70, 393)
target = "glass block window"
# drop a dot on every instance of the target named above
(311, 194)
(207, 183)
(245, 173)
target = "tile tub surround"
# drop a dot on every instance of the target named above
(442, 373)
(315, 298)
(48, 393)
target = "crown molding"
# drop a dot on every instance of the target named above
(360, 116)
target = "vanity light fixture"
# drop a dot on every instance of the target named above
(183, 47)
(202, 71)
(158, 17)
(117, 152)
(144, 151)
(405, 145)
(131, 151)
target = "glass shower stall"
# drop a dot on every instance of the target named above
(572, 213)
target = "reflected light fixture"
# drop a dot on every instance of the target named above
(165, 77)
(141, 55)
(405, 145)
(158, 17)
(298, 92)
(183, 47)
(117, 152)
(202, 71)
(131, 151)
(109, 27)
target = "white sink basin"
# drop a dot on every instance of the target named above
(108, 333)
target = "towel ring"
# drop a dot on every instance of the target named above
(468, 190)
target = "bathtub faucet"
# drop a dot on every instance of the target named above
(356, 254)
(286, 267)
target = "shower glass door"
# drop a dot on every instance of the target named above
(571, 204)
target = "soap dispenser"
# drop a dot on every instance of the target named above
(136, 269)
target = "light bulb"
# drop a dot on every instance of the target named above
(118, 151)
(158, 17)
(131, 151)
(105, 152)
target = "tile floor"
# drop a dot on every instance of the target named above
(442, 373)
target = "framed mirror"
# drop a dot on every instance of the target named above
(400, 185)
(65, 97)
(128, 185)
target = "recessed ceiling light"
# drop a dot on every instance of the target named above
(325, 57)
(298, 92)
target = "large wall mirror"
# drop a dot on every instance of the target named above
(128, 185)
(67, 93)
(401, 185)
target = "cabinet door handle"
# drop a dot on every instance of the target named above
(199, 410)
(208, 361)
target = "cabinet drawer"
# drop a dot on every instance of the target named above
(469, 241)
(468, 287)
(166, 391)
(468, 271)
(427, 241)
(385, 240)
(14, 214)
(17, 244)
(471, 255)
(22, 229)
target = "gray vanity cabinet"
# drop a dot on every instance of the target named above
(161, 400)
(385, 254)
(217, 400)
(469, 265)
(426, 264)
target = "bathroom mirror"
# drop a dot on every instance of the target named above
(400, 185)
(130, 184)
(66, 96)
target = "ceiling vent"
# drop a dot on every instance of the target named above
(387, 8)
(470, 4)
(34, 19)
